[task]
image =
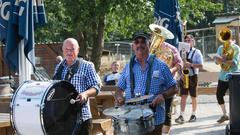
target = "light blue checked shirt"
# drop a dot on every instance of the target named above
(161, 80)
(85, 78)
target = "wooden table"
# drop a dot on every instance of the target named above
(109, 88)
(5, 104)
(105, 98)
(5, 125)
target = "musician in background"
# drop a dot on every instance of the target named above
(83, 76)
(231, 65)
(194, 61)
(137, 75)
(112, 78)
(175, 67)
(171, 56)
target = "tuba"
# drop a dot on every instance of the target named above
(159, 35)
(225, 36)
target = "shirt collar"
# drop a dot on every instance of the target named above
(146, 61)
(65, 63)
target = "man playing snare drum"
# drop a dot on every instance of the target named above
(146, 75)
(83, 76)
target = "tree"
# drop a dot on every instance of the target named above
(195, 12)
(92, 22)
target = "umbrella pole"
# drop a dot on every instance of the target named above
(24, 65)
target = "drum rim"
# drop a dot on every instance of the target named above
(11, 106)
(44, 97)
(124, 117)
(43, 101)
(51, 84)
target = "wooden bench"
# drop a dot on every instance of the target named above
(109, 88)
(102, 125)
(5, 104)
(5, 125)
(205, 79)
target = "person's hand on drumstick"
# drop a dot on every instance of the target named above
(119, 101)
(118, 97)
(82, 98)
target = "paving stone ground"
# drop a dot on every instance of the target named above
(207, 113)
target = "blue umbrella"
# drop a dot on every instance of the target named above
(4, 17)
(22, 17)
(167, 14)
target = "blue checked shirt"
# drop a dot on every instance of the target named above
(85, 78)
(161, 80)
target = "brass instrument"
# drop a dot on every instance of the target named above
(159, 35)
(185, 72)
(225, 36)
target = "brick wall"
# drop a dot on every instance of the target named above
(46, 54)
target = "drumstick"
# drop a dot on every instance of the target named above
(115, 97)
(73, 101)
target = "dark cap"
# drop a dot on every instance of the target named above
(141, 34)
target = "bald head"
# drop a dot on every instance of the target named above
(72, 41)
(70, 50)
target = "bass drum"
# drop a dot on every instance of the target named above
(43, 108)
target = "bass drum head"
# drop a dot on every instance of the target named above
(59, 116)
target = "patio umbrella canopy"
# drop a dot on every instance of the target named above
(167, 14)
(18, 21)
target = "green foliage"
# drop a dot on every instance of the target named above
(94, 21)
(57, 26)
(123, 17)
(194, 11)
(128, 17)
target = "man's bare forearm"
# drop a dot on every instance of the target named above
(170, 92)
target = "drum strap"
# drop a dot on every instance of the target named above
(70, 73)
(148, 82)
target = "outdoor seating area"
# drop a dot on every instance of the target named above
(101, 123)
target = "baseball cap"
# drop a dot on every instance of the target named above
(141, 34)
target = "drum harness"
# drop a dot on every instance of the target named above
(71, 71)
(148, 81)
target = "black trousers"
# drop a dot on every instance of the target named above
(83, 129)
(221, 91)
(168, 111)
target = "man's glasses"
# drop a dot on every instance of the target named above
(69, 50)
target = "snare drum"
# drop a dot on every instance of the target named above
(40, 108)
(138, 121)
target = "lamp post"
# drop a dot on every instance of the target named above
(130, 44)
(117, 45)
